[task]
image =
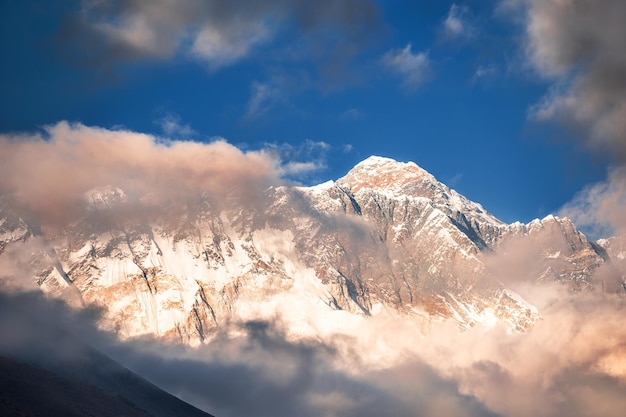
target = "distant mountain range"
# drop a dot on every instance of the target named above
(386, 237)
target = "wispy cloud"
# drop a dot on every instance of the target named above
(413, 68)
(299, 161)
(220, 48)
(484, 73)
(173, 127)
(264, 96)
(456, 24)
(454, 181)
(600, 209)
(352, 114)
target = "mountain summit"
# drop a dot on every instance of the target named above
(380, 173)
(387, 237)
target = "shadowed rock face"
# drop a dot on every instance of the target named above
(388, 235)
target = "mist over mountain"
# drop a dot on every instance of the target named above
(383, 292)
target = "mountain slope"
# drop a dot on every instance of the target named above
(386, 237)
(21, 383)
(49, 367)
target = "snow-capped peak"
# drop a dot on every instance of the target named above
(407, 179)
(381, 173)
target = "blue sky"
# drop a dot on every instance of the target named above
(491, 97)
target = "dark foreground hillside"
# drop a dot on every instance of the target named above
(32, 392)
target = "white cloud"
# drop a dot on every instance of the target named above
(415, 69)
(173, 127)
(300, 168)
(600, 209)
(455, 24)
(219, 47)
(299, 161)
(312, 146)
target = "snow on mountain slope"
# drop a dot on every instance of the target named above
(387, 237)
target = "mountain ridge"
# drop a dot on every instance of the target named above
(387, 236)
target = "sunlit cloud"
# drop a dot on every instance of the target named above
(600, 209)
(79, 158)
(220, 48)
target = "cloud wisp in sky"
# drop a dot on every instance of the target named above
(173, 127)
(264, 97)
(600, 209)
(413, 68)
(457, 25)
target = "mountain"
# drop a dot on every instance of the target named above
(386, 237)
(26, 390)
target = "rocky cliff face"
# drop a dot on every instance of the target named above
(386, 237)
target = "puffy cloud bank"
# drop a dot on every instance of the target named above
(48, 174)
(572, 363)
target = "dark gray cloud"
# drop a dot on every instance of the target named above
(580, 45)
(103, 34)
